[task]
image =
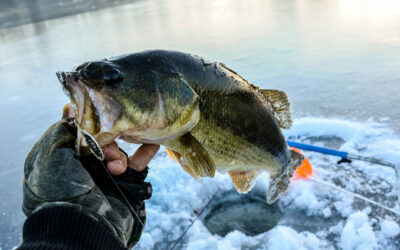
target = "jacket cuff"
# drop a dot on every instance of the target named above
(63, 227)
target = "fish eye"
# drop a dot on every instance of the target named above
(112, 76)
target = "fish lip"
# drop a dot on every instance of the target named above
(75, 90)
(61, 75)
(66, 79)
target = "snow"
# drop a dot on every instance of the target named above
(390, 228)
(357, 233)
(303, 196)
(287, 238)
(342, 128)
(327, 212)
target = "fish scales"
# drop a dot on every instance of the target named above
(234, 118)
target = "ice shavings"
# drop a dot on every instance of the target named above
(302, 194)
(325, 127)
(357, 233)
(389, 228)
(327, 212)
(286, 238)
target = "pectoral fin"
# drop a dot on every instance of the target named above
(193, 157)
(243, 181)
(279, 103)
(173, 155)
(176, 157)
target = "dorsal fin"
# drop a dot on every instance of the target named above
(279, 104)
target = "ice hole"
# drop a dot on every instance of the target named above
(247, 213)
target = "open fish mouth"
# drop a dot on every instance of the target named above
(94, 111)
(75, 90)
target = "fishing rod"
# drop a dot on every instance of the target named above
(347, 157)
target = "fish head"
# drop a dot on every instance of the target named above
(117, 98)
(94, 108)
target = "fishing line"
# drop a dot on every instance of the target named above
(98, 153)
(120, 191)
(194, 220)
(321, 182)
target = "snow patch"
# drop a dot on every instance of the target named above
(302, 195)
(286, 238)
(390, 228)
(357, 233)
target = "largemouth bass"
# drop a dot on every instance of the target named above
(208, 116)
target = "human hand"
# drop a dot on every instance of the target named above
(55, 177)
(117, 160)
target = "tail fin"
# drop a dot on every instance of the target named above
(280, 183)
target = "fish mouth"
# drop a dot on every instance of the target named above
(75, 90)
(94, 111)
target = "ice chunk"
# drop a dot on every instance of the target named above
(327, 212)
(389, 228)
(287, 238)
(357, 233)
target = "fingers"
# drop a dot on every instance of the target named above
(116, 160)
(68, 111)
(143, 155)
(111, 151)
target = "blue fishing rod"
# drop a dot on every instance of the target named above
(347, 157)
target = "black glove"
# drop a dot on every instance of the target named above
(55, 177)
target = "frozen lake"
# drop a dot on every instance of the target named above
(335, 59)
